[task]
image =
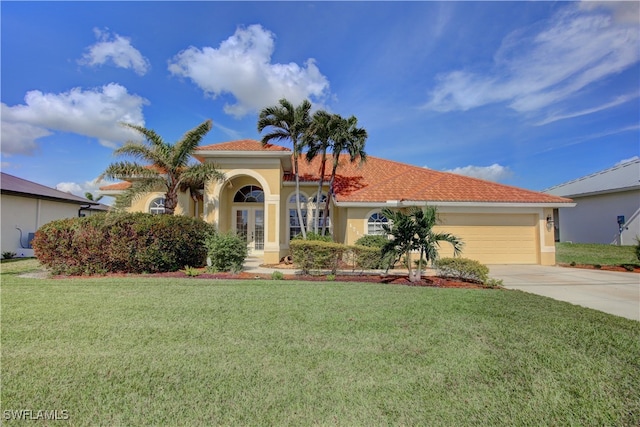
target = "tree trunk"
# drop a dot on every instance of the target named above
(316, 218)
(170, 202)
(299, 209)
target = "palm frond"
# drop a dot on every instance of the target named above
(138, 189)
(127, 170)
(183, 149)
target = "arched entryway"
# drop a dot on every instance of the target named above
(247, 214)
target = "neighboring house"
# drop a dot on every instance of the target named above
(601, 199)
(25, 206)
(498, 223)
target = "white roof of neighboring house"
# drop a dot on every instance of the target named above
(10, 184)
(622, 177)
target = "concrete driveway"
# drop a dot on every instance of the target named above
(616, 293)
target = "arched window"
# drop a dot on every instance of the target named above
(375, 223)
(156, 206)
(249, 194)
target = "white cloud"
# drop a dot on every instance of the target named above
(241, 66)
(94, 113)
(117, 50)
(79, 189)
(627, 160)
(495, 172)
(535, 68)
(617, 101)
(20, 138)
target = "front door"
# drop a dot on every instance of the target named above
(249, 224)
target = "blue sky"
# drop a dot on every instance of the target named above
(530, 94)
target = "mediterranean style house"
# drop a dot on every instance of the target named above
(498, 224)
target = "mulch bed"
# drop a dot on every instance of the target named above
(430, 281)
(437, 282)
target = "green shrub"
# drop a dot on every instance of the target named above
(277, 275)
(372, 241)
(121, 242)
(8, 255)
(227, 252)
(191, 271)
(316, 255)
(331, 277)
(369, 257)
(462, 268)
(317, 237)
(638, 249)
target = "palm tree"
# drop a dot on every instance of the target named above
(165, 165)
(319, 140)
(414, 231)
(286, 122)
(349, 138)
(91, 197)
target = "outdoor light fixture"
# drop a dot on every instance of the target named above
(549, 221)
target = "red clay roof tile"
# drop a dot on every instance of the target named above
(242, 145)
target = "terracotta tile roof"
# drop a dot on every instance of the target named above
(380, 180)
(242, 145)
(116, 187)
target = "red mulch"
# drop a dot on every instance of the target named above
(431, 281)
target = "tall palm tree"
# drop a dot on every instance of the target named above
(165, 165)
(347, 138)
(286, 122)
(319, 140)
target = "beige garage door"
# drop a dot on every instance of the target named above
(494, 239)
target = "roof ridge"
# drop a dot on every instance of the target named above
(594, 174)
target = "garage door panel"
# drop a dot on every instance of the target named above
(509, 239)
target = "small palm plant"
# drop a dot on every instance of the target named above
(414, 231)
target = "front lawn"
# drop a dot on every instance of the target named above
(149, 351)
(595, 254)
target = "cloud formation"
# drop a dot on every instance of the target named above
(95, 113)
(82, 188)
(241, 66)
(495, 172)
(538, 67)
(116, 50)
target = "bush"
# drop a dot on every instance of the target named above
(121, 242)
(277, 275)
(372, 241)
(462, 268)
(316, 237)
(227, 252)
(316, 255)
(638, 249)
(369, 257)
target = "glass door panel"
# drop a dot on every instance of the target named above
(258, 238)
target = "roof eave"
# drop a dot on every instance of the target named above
(419, 203)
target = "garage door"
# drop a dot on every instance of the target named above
(494, 239)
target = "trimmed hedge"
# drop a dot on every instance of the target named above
(462, 268)
(313, 255)
(122, 242)
(316, 255)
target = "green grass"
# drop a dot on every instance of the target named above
(591, 253)
(148, 351)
